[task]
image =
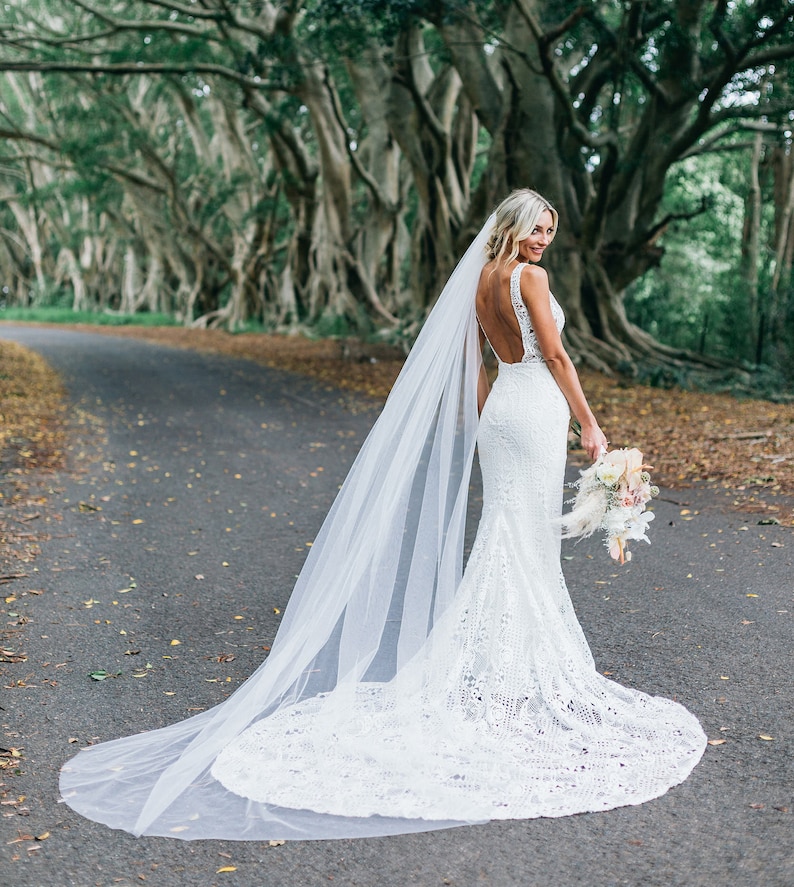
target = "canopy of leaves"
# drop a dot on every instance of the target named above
(322, 164)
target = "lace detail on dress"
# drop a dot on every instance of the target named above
(528, 338)
(502, 714)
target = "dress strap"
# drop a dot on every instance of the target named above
(520, 309)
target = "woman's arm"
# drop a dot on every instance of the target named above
(535, 292)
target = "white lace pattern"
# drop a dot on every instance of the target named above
(502, 713)
(529, 340)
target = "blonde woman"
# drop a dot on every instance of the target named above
(401, 694)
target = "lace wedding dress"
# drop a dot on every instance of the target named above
(501, 713)
(401, 694)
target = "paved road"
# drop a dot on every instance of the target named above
(187, 519)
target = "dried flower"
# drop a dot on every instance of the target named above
(612, 495)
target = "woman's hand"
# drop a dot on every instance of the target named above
(593, 440)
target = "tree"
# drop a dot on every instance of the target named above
(389, 126)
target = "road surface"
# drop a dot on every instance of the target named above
(196, 484)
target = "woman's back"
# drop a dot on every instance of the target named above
(496, 314)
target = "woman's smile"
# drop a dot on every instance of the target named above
(533, 247)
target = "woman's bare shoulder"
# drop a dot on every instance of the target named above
(534, 282)
(487, 271)
(485, 285)
(534, 274)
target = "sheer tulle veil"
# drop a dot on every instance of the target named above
(384, 566)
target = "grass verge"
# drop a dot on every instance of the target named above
(93, 318)
(32, 443)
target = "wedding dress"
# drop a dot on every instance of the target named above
(398, 695)
(502, 713)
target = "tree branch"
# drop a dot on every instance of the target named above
(566, 24)
(377, 192)
(12, 135)
(708, 145)
(750, 112)
(25, 41)
(715, 25)
(606, 140)
(226, 15)
(114, 25)
(408, 80)
(185, 9)
(137, 179)
(657, 229)
(769, 54)
(136, 68)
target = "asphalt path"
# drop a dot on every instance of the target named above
(196, 484)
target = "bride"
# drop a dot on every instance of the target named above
(399, 694)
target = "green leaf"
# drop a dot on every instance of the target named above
(100, 674)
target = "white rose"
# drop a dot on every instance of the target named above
(609, 473)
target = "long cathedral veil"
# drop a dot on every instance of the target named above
(384, 566)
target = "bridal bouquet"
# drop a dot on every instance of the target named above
(612, 495)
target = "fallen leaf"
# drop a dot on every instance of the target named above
(276, 843)
(100, 674)
(226, 868)
(175, 643)
(717, 741)
(766, 738)
(21, 838)
(11, 656)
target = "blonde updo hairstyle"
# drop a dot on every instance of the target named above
(516, 218)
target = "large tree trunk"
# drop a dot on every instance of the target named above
(751, 245)
(780, 289)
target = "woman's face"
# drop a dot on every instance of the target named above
(531, 249)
